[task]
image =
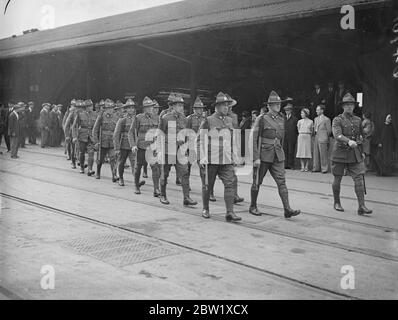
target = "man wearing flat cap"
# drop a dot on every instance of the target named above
(268, 155)
(44, 125)
(291, 133)
(102, 133)
(31, 124)
(14, 128)
(347, 153)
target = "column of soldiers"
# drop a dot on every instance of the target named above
(161, 141)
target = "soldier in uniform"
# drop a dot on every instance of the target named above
(103, 137)
(346, 153)
(139, 128)
(235, 124)
(30, 117)
(175, 117)
(195, 120)
(210, 163)
(44, 123)
(268, 134)
(68, 145)
(120, 138)
(60, 130)
(68, 132)
(81, 133)
(53, 119)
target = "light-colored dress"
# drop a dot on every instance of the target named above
(305, 128)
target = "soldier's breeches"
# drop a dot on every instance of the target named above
(140, 163)
(155, 175)
(90, 152)
(82, 153)
(226, 174)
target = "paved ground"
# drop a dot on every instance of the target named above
(98, 240)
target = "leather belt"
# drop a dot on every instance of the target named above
(270, 141)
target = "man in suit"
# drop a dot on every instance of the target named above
(44, 124)
(315, 99)
(30, 123)
(14, 129)
(3, 132)
(290, 141)
(329, 97)
(22, 126)
(340, 93)
(322, 130)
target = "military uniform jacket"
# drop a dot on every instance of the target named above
(68, 124)
(218, 148)
(180, 121)
(81, 126)
(268, 134)
(141, 124)
(120, 136)
(165, 111)
(346, 128)
(106, 123)
(194, 121)
(44, 121)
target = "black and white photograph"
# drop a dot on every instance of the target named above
(216, 151)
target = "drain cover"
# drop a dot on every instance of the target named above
(121, 250)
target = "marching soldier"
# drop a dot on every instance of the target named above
(44, 124)
(195, 120)
(68, 132)
(81, 134)
(176, 117)
(103, 137)
(120, 138)
(92, 117)
(235, 124)
(139, 128)
(210, 163)
(68, 143)
(346, 153)
(268, 134)
(162, 113)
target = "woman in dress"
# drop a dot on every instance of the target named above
(305, 128)
(386, 148)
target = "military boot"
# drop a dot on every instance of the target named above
(206, 213)
(336, 195)
(98, 175)
(288, 212)
(121, 181)
(163, 198)
(253, 205)
(189, 202)
(212, 198)
(232, 217)
(360, 192)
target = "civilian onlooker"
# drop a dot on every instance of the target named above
(8, 112)
(255, 114)
(315, 99)
(45, 125)
(60, 130)
(290, 139)
(3, 114)
(244, 125)
(340, 93)
(386, 148)
(22, 125)
(14, 129)
(30, 122)
(305, 128)
(322, 131)
(368, 130)
(329, 97)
